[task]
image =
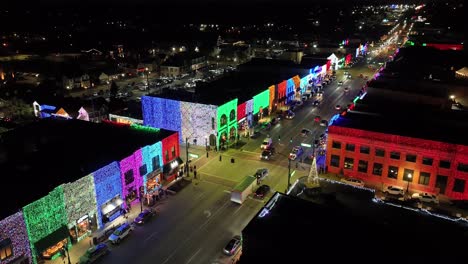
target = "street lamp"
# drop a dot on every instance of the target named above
(289, 175)
(187, 157)
(409, 178)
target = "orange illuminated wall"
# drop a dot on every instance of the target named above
(297, 81)
(421, 158)
(272, 96)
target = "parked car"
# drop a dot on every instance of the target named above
(324, 123)
(346, 89)
(353, 181)
(394, 190)
(232, 246)
(144, 217)
(425, 197)
(289, 115)
(266, 154)
(262, 191)
(298, 103)
(94, 253)
(316, 102)
(296, 152)
(340, 83)
(337, 107)
(267, 143)
(261, 173)
(120, 233)
(305, 132)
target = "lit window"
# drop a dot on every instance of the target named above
(392, 172)
(348, 163)
(6, 249)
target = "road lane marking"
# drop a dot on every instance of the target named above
(152, 235)
(190, 259)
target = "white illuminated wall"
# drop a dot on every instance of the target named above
(249, 111)
(196, 121)
(80, 199)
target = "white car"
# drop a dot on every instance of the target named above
(266, 144)
(120, 233)
(425, 197)
(353, 181)
(394, 190)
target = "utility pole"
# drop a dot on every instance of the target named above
(289, 174)
(187, 156)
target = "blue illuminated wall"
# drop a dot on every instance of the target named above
(290, 90)
(108, 185)
(305, 83)
(162, 113)
(147, 153)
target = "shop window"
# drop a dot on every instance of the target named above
(350, 147)
(392, 172)
(336, 145)
(223, 120)
(335, 161)
(348, 163)
(129, 177)
(462, 167)
(155, 162)
(6, 249)
(143, 170)
(424, 178)
(173, 152)
(410, 158)
(232, 116)
(379, 152)
(377, 169)
(427, 161)
(444, 164)
(166, 154)
(395, 155)
(364, 149)
(408, 175)
(459, 186)
(362, 166)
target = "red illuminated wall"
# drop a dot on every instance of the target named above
(348, 59)
(404, 145)
(445, 46)
(328, 65)
(282, 90)
(167, 144)
(241, 111)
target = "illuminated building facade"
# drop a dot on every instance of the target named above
(14, 241)
(382, 159)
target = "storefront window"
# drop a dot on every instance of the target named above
(152, 183)
(51, 251)
(132, 194)
(6, 250)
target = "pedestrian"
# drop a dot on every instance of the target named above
(220, 158)
(195, 174)
(194, 167)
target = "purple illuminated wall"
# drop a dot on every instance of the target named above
(132, 162)
(14, 228)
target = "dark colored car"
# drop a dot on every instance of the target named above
(233, 245)
(144, 217)
(266, 154)
(94, 253)
(262, 191)
(316, 102)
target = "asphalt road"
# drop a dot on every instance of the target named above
(192, 226)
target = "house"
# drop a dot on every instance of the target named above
(183, 62)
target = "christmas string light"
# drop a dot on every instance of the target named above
(14, 228)
(108, 184)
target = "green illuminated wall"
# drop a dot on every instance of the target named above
(261, 100)
(229, 110)
(45, 216)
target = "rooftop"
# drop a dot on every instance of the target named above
(346, 223)
(40, 156)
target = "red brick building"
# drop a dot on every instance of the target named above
(379, 156)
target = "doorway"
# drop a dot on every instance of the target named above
(441, 183)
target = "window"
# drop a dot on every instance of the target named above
(232, 115)
(223, 120)
(427, 161)
(410, 158)
(408, 175)
(364, 149)
(462, 167)
(212, 123)
(392, 172)
(173, 152)
(395, 155)
(377, 169)
(166, 154)
(335, 161)
(362, 166)
(348, 163)
(380, 152)
(155, 162)
(143, 170)
(129, 177)
(350, 147)
(336, 144)
(459, 185)
(444, 164)
(6, 249)
(424, 178)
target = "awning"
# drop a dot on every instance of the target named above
(172, 165)
(118, 201)
(52, 239)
